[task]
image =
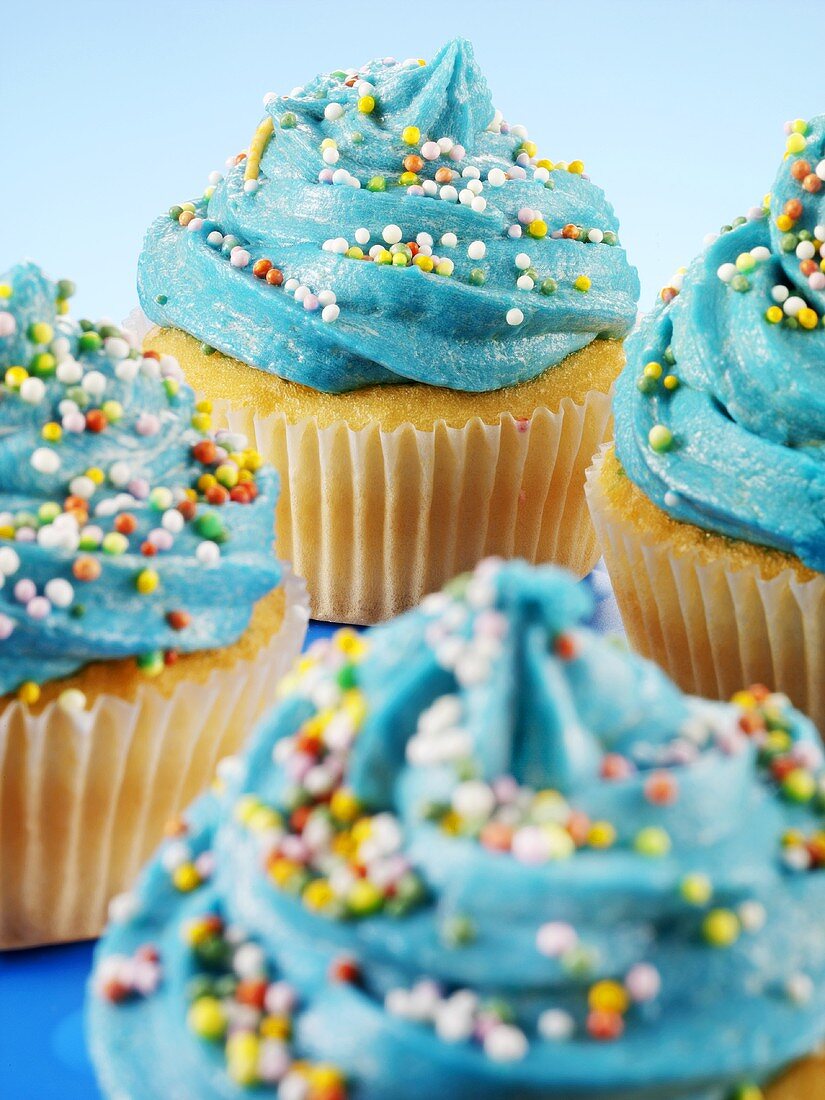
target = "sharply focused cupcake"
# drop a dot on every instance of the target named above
(711, 509)
(482, 853)
(416, 317)
(143, 613)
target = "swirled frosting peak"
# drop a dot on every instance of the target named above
(720, 413)
(481, 852)
(126, 528)
(386, 224)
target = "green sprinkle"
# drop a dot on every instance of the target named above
(660, 438)
(477, 277)
(549, 286)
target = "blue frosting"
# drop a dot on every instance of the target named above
(747, 419)
(92, 437)
(492, 692)
(390, 323)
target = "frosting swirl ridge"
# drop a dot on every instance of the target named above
(400, 230)
(489, 852)
(720, 413)
(126, 528)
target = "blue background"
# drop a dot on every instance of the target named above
(111, 112)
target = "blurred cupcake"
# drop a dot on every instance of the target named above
(143, 613)
(416, 317)
(711, 509)
(483, 853)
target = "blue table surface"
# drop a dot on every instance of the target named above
(42, 1046)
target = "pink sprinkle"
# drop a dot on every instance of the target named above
(415, 189)
(147, 424)
(458, 152)
(25, 534)
(523, 160)
(139, 488)
(556, 938)
(505, 788)
(25, 590)
(161, 539)
(280, 999)
(530, 845)
(273, 1062)
(526, 215)
(38, 608)
(311, 303)
(817, 280)
(430, 150)
(6, 627)
(514, 232)
(195, 224)
(294, 848)
(74, 422)
(643, 982)
(8, 325)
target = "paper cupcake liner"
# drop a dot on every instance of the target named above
(376, 519)
(84, 797)
(714, 629)
(804, 1081)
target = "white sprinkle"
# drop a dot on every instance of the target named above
(479, 204)
(448, 193)
(327, 297)
(522, 261)
(116, 347)
(291, 285)
(805, 250)
(362, 236)
(424, 239)
(330, 313)
(761, 253)
(392, 234)
(793, 305)
(239, 257)
(330, 155)
(800, 988)
(45, 461)
(524, 282)
(595, 236)
(94, 383)
(72, 700)
(465, 197)
(496, 177)
(445, 144)
(556, 1025)
(333, 111)
(69, 372)
(726, 272)
(779, 294)
(9, 561)
(208, 553)
(505, 1043)
(477, 250)
(514, 317)
(449, 240)
(301, 293)
(33, 390)
(820, 171)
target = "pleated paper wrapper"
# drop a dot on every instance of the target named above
(713, 628)
(84, 797)
(376, 519)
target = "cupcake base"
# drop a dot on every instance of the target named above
(715, 613)
(85, 796)
(389, 491)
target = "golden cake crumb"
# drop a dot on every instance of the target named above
(218, 377)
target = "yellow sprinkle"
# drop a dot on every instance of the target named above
(344, 805)
(784, 223)
(95, 474)
(774, 315)
(670, 382)
(583, 283)
(318, 895)
(5, 290)
(186, 878)
(29, 693)
(799, 126)
(601, 835)
(796, 143)
(653, 370)
(411, 135)
(807, 318)
(147, 581)
(544, 163)
(576, 167)
(366, 104)
(276, 1027)
(245, 807)
(51, 432)
(537, 229)
(608, 996)
(529, 147)
(259, 142)
(423, 262)
(201, 422)
(16, 376)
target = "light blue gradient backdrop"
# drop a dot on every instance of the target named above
(110, 112)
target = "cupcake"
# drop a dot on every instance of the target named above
(416, 317)
(143, 613)
(711, 508)
(483, 853)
